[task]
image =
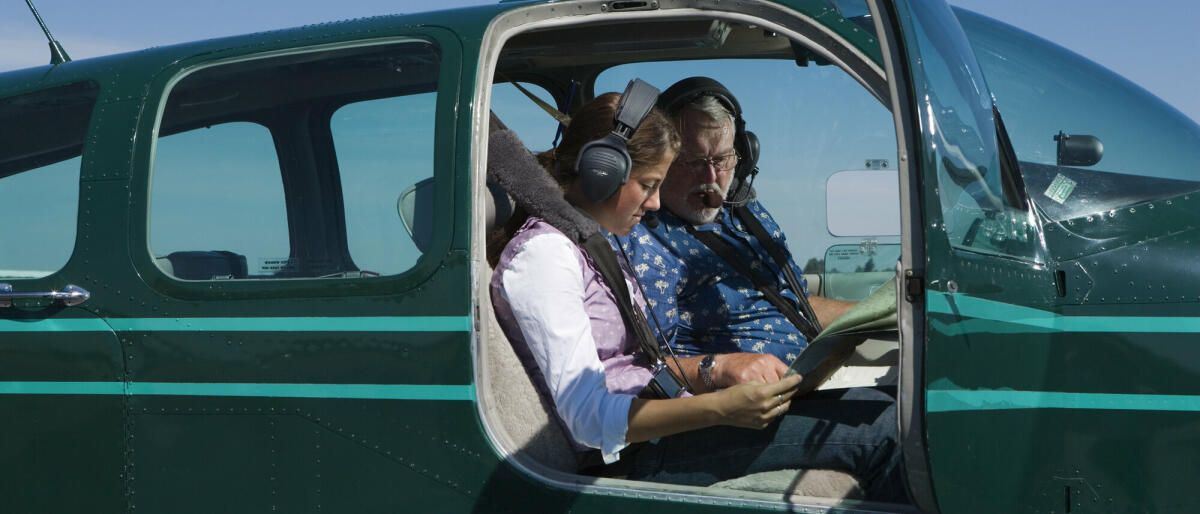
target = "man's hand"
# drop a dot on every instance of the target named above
(731, 369)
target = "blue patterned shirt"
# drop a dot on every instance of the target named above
(703, 304)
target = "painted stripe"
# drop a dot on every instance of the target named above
(988, 400)
(74, 388)
(54, 325)
(339, 391)
(969, 307)
(306, 324)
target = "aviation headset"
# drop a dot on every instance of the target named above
(604, 164)
(745, 143)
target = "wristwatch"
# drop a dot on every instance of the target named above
(705, 370)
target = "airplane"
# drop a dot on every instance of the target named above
(248, 274)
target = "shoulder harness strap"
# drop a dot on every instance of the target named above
(806, 323)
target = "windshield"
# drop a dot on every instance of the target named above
(1147, 149)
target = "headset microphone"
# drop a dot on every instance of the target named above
(651, 220)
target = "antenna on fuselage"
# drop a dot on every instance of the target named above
(57, 54)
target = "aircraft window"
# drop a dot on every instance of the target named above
(535, 128)
(383, 147)
(1148, 149)
(297, 166)
(813, 124)
(40, 167)
(979, 213)
(219, 214)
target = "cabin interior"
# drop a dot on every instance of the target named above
(827, 175)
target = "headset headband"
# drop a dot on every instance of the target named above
(686, 91)
(636, 102)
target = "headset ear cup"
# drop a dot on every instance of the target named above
(750, 156)
(740, 191)
(603, 166)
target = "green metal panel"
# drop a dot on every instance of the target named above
(44, 438)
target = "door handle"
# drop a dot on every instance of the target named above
(70, 296)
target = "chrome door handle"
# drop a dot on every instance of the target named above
(70, 296)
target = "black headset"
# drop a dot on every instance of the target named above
(745, 143)
(603, 165)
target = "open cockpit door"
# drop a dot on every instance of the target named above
(973, 246)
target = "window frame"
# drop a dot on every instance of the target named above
(87, 145)
(443, 172)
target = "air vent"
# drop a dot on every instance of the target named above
(629, 5)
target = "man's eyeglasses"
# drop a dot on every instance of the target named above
(724, 162)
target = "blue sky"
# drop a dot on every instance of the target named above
(1158, 49)
(1154, 44)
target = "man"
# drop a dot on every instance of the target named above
(715, 288)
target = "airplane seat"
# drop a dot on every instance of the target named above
(203, 265)
(524, 416)
(814, 283)
(527, 426)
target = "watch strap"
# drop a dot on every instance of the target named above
(705, 371)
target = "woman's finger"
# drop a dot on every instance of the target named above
(787, 385)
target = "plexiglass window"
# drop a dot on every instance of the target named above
(39, 177)
(384, 148)
(1122, 146)
(218, 214)
(298, 166)
(981, 210)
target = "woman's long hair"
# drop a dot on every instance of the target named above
(652, 139)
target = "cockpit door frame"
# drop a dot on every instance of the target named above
(910, 270)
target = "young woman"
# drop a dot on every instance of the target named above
(564, 323)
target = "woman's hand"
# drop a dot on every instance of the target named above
(749, 405)
(754, 404)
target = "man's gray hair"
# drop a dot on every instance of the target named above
(712, 107)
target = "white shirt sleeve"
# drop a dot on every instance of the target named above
(543, 284)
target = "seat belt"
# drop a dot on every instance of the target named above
(597, 248)
(727, 253)
(780, 255)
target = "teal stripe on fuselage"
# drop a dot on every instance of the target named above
(57, 388)
(988, 400)
(977, 308)
(337, 391)
(54, 325)
(306, 324)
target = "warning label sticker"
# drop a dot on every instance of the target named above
(1060, 189)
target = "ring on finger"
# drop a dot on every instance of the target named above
(779, 410)
(780, 398)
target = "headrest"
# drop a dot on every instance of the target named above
(514, 169)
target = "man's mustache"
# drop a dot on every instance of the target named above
(712, 201)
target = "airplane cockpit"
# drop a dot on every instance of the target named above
(827, 174)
